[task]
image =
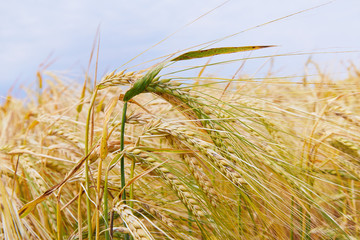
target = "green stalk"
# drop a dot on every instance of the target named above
(189, 223)
(122, 161)
(240, 225)
(131, 193)
(106, 206)
(292, 218)
(58, 217)
(98, 189)
(79, 213)
(106, 197)
(308, 226)
(87, 180)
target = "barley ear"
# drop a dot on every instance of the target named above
(137, 229)
(141, 84)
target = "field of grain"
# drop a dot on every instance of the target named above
(141, 155)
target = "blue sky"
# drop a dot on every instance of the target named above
(32, 30)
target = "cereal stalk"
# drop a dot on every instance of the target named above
(87, 180)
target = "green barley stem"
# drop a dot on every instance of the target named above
(79, 213)
(240, 216)
(308, 227)
(106, 197)
(58, 216)
(106, 206)
(87, 180)
(122, 161)
(98, 189)
(131, 191)
(189, 222)
(131, 203)
(88, 203)
(292, 218)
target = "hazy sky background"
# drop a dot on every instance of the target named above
(32, 30)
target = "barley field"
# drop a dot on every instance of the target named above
(152, 155)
